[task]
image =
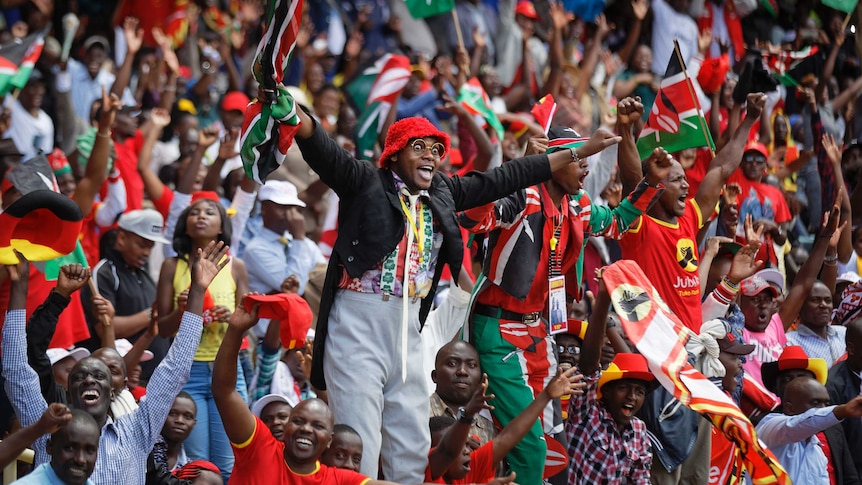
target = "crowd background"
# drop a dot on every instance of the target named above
(147, 110)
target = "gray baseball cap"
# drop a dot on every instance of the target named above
(146, 223)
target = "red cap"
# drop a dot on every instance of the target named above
(527, 10)
(756, 146)
(290, 309)
(235, 101)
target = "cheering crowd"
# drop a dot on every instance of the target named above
(449, 241)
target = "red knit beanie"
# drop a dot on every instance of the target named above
(402, 131)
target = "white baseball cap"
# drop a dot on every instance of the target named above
(146, 223)
(265, 401)
(281, 192)
(123, 346)
(57, 354)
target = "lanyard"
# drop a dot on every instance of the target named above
(555, 263)
(416, 229)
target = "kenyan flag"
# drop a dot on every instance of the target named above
(17, 60)
(846, 6)
(477, 102)
(420, 9)
(371, 93)
(676, 120)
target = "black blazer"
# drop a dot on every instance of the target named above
(842, 459)
(371, 223)
(843, 385)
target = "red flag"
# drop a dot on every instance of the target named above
(660, 337)
(544, 111)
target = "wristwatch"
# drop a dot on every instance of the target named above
(463, 418)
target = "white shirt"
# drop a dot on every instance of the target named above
(30, 133)
(85, 89)
(667, 26)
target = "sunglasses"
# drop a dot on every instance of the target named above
(572, 349)
(419, 147)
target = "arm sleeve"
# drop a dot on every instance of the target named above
(608, 222)
(22, 383)
(479, 188)
(779, 429)
(267, 361)
(40, 331)
(504, 214)
(167, 381)
(416, 104)
(115, 204)
(336, 167)
(242, 203)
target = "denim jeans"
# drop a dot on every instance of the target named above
(208, 440)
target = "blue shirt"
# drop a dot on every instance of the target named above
(268, 266)
(44, 475)
(793, 440)
(125, 443)
(830, 349)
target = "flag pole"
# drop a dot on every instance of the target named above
(693, 95)
(106, 321)
(846, 21)
(457, 28)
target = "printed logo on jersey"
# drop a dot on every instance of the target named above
(686, 255)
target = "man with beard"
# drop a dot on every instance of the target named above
(457, 374)
(73, 450)
(125, 442)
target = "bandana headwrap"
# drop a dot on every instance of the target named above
(59, 163)
(850, 306)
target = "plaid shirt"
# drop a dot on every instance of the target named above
(598, 453)
(126, 442)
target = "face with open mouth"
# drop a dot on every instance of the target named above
(90, 387)
(623, 398)
(307, 434)
(758, 310)
(417, 163)
(571, 177)
(274, 415)
(460, 467)
(675, 195)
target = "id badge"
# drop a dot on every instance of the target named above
(557, 321)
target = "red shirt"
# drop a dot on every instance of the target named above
(260, 460)
(127, 165)
(482, 467)
(667, 254)
(725, 465)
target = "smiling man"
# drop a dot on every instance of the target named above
(125, 442)
(816, 334)
(73, 451)
(396, 231)
(536, 239)
(259, 458)
(607, 443)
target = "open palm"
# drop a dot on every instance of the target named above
(208, 262)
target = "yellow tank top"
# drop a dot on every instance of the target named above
(223, 292)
